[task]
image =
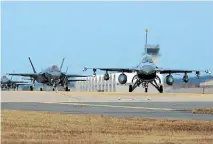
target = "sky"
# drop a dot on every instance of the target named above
(104, 34)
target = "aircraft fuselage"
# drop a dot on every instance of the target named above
(41, 78)
(147, 72)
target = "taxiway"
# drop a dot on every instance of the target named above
(168, 106)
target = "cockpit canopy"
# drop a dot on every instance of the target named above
(4, 78)
(147, 59)
(54, 68)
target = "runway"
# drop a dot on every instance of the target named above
(160, 106)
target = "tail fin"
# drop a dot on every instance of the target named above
(12, 75)
(62, 64)
(67, 70)
(145, 48)
(32, 65)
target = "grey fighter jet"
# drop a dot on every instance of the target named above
(51, 76)
(146, 72)
(9, 83)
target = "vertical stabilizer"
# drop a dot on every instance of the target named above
(12, 76)
(67, 70)
(62, 64)
(32, 65)
(145, 47)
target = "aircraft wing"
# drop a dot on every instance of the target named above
(23, 84)
(23, 74)
(165, 71)
(128, 70)
(20, 82)
(75, 80)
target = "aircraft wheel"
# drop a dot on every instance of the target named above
(130, 88)
(41, 89)
(146, 90)
(161, 89)
(67, 89)
(31, 88)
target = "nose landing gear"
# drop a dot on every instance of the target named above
(145, 85)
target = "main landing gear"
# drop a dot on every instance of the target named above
(136, 84)
(146, 90)
(138, 81)
(159, 86)
(55, 87)
(31, 88)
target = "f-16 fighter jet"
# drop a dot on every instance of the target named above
(146, 72)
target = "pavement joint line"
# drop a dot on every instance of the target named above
(112, 106)
(64, 94)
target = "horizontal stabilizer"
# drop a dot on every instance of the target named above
(75, 75)
(75, 80)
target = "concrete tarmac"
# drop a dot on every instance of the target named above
(173, 106)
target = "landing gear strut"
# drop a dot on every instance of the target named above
(54, 87)
(138, 81)
(145, 85)
(136, 84)
(158, 87)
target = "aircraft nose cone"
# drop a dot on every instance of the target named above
(147, 69)
(55, 75)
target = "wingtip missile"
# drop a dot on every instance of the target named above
(84, 69)
(208, 72)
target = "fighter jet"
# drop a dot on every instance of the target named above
(146, 72)
(51, 76)
(9, 83)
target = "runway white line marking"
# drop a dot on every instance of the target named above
(113, 106)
